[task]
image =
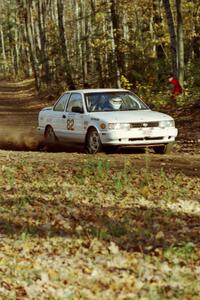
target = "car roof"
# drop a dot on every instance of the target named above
(102, 90)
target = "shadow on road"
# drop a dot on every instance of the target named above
(135, 229)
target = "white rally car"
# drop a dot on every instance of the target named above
(106, 117)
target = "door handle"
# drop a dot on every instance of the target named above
(63, 116)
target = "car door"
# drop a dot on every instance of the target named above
(58, 115)
(75, 118)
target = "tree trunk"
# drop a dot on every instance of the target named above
(180, 43)
(63, 44)
(32, 50)
(77, 34)
(83, 41)
(16, 52)
(5, 68)
(172, 34)
(115, 43)
(42, 34)
(196, 35)
(157, 32)
(96, 49)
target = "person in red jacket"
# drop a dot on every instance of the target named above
(176, 87)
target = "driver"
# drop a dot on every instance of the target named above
(113, 104)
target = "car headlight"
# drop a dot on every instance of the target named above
(169, 123)
(117, 126)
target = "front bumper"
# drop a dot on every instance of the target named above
(139, 136)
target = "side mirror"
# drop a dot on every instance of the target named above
(77, 109)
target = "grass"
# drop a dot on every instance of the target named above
(76, 226)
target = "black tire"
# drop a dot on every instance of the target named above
(93, 142)
(50, 137)
(164, 149)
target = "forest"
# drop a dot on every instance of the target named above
(68, 44)
(118, 225)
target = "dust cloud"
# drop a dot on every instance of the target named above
(13, 138)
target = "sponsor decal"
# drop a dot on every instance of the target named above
(70, 124)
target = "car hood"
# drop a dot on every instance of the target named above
(130, 116)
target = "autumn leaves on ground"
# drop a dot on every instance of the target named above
(77, 226)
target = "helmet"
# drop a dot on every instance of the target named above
(115, 103)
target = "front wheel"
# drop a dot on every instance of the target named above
(165, 149)
(93, 142)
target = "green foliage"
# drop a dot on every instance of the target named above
(186, 251)
(125, 83)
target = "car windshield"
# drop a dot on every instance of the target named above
(113, 101)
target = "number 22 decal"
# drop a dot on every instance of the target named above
(70, 124)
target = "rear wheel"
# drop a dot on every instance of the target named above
(165, 149)
(49, 135)
(93, 142)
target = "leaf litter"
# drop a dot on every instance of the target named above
(74, 226)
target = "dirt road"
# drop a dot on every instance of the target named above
(18, 115)
(19, 107)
